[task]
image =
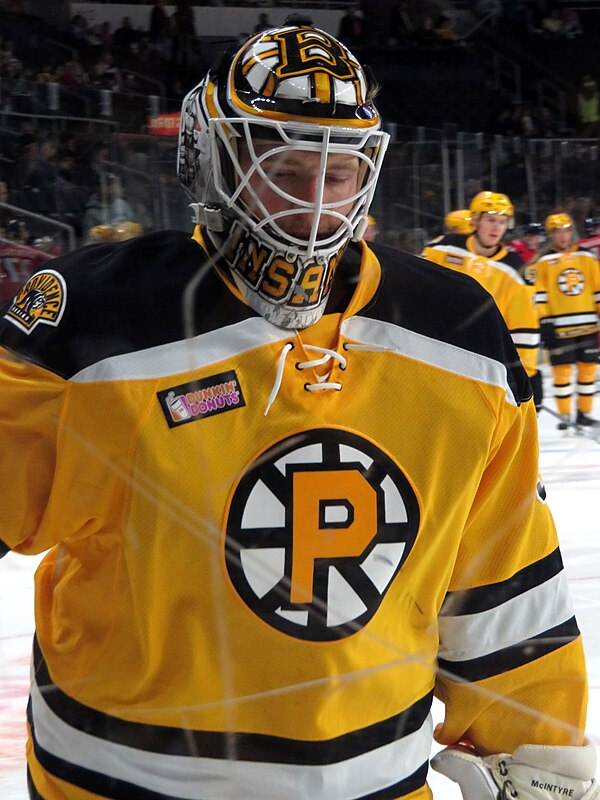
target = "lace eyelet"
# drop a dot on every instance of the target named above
(306, 387)
(344, 346)
(298, 367)
(342, 367)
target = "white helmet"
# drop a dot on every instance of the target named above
(285, 90)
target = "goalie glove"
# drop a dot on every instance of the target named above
(532, 772)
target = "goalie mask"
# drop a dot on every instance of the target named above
(280, 150)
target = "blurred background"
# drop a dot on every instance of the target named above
(476, 95)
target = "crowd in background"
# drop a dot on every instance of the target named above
(77, 177)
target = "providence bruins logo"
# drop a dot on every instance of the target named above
(41, 301)
(318, 527)
(571, 281)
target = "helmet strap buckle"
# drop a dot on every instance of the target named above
(210, 217)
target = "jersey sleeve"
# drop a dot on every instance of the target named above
(432, 253)
(31, 400)
(523, 323)
(511, 663)
(541, 290)
(596, 285)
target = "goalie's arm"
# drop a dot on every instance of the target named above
(511, 669)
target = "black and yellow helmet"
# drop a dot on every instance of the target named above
(298, 89)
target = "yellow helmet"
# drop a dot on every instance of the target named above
(127, 230)
(492, 203)
(555, 221)
(459, 221)
(101, 233)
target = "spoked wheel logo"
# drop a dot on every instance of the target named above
(319, 525)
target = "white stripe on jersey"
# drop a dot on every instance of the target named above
(446, 356)
(195, 778)
(581, 251)
(524, 339)
(186, 354)
(461, 251)
(537, 610)
(575, 319)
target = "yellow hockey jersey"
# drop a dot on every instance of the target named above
(568, 291)
(258, 605)
(499, 275)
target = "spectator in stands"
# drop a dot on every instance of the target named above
(72, 74)
(547, 124)
(26, 153)
(263, 24)
(107, 205)
(45, 75)
(184, 33)
(18, 261)
(552, 24)
(95, 166)
(43, 179)
(588, 107)
(17, 231)
(351, 30)
(105, 74)
(160, 30)
(104, 34)
(402, 23)
(124, 37)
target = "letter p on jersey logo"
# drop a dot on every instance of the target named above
(318, 527)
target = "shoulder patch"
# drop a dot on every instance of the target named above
(41, 300)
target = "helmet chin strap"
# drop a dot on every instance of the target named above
(360, 229)
(210, 217)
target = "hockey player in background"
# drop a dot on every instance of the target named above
(533, 235)
(568, 299)
(482, 255)
(591, 241)
(288, 483)
(458, 221)
(18, 261)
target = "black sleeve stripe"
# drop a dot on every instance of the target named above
(479, 669)
(483, 598)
